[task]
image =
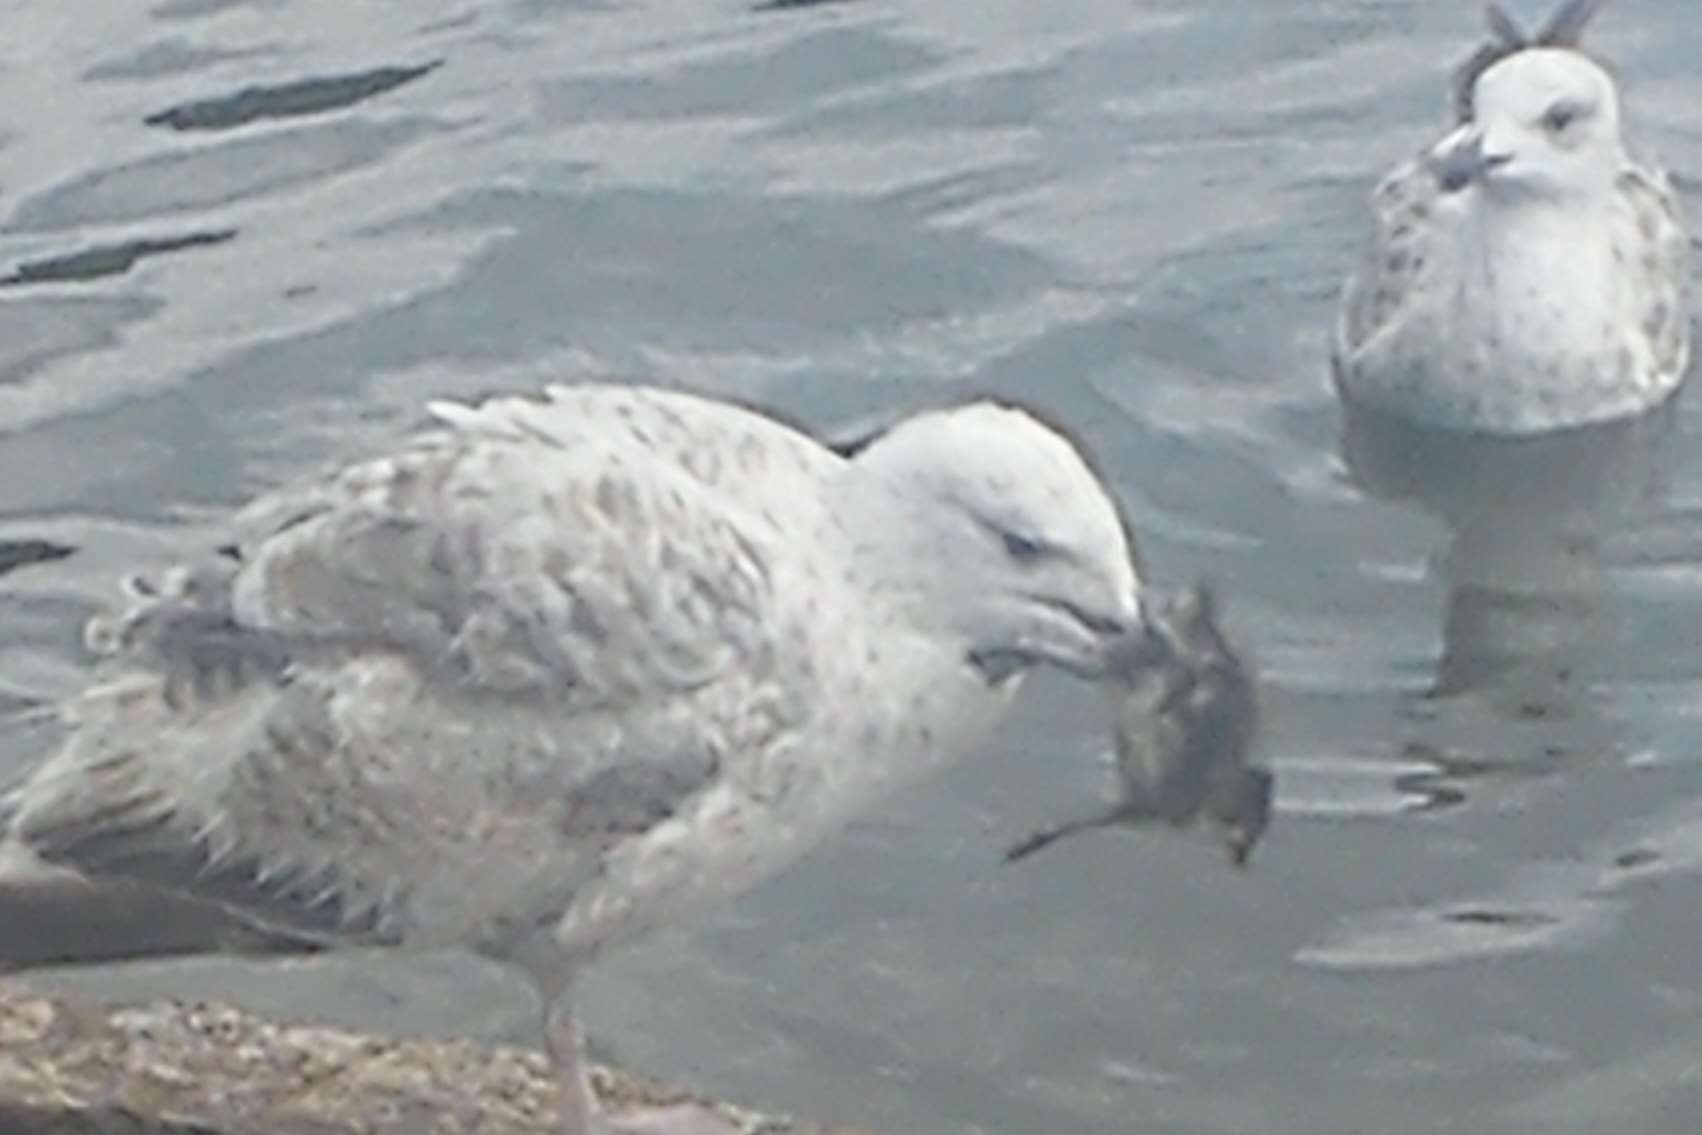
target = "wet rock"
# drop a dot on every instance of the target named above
(168, 1068)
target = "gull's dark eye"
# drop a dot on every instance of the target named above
(1023, 549)
(1561, 115)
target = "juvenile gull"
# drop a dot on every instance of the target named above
(555, 671)
(1526, 273)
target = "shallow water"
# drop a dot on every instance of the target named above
(240, 237)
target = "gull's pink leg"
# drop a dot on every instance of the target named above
(580, 1113)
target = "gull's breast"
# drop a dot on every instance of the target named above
(1524, 330)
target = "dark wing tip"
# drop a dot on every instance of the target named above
(852, 439)
(142, 847)
(1503, 28)
(61, 918)
(1565, 27)
(1469, 70)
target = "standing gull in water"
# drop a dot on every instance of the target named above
(1509, 352)
(1526, 273)
(555, 671)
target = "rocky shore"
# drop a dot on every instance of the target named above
(174, 1068)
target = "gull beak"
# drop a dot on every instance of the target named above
(1098, 645)
(1469, 155)
(1139, 647)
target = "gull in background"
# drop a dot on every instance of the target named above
(554, 671)
(1526, 273)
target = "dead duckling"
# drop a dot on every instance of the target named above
(1185, 718)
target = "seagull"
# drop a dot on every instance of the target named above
(558, 669)
(1526, 273)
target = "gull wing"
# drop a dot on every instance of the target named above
(1392, 260)
(1658, 256)
(432, 698)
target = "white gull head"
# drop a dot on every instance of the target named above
(1041, 568)
(1545, 127)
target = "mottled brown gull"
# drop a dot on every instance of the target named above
(1527, 273)
(554, 671)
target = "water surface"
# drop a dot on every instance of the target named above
(240, 238)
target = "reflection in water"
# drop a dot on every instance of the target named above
(35, 333)
(1527, 517)
(1430, 790)
(1563, 902)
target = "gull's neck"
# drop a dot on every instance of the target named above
(908, 559)
(1499, 215)
(1548, 260)
(904, 546)
(1533, 317)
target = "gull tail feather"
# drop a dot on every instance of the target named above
(53, 916)
(139, 803)
(1565, 25)
(1503, 28)
(105, 821)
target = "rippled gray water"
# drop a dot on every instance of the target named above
(238, 237)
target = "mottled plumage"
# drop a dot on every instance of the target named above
(1526, 273)
(556, 670)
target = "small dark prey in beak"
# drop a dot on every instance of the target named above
(1185, 717)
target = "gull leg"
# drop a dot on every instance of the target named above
(575, 1104)
(580, 1113)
